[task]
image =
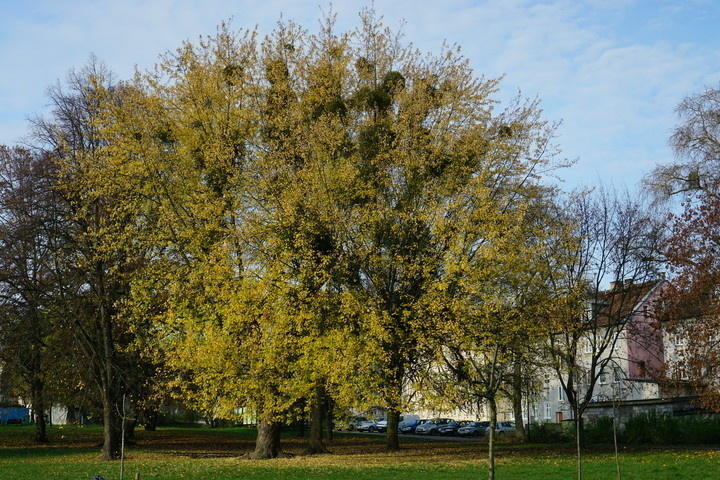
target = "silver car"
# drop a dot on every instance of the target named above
(473, 429)
(431, 426)
(502, 429)
(381, 425)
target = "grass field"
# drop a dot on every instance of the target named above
(211, 454)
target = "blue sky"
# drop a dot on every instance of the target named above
(611, 70)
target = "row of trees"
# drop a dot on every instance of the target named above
(303, 221)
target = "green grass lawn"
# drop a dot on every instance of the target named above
(211, 454)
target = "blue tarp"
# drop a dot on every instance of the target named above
(14, 414)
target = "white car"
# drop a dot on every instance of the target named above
(366, 426)
(502, 428)
(350, 423)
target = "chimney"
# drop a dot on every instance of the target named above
(616, 285)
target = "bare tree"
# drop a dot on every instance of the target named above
(696, 142)
(619, 239)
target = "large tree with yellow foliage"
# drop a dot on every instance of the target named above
(313, 203)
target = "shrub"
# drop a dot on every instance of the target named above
(699, 430)
(548, 433)
(178, 417)
(599, 431)
(654, 428)
(651, 428)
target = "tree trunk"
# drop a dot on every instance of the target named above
(329, 418)
(393, 406)
(491, 438)
(315, 441)
(112, 423)
(38, 404)
(267, 444)
(615, 440)
(578, 439)
(37, 384)
(151, 419)
(111, 427)
(393, 419)
(130, 424)
(517, 401)
(73, 415)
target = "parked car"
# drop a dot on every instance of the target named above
(431, 426)
(381, 425)
(450, 428)
(367, 426)
(473, 429)
(502, 428)
(409, 426)
(407, 417)
(350, 423)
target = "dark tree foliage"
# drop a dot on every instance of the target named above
(27, 290)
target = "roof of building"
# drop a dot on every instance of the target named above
(622, 300)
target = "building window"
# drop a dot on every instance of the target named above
(588, 346)
(561, 394)
(603, 377)
(547, 411)
(678, 340)
(679, 373)
(595, 309)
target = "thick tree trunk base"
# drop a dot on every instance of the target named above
(41, 438)
(41, 430)
(130, 439)
(267, 445)
(112, 436)
(316, 450)
(392, 439)
(315, 443)
(39, 411)
(151, 418)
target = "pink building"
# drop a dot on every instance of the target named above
(629, 344)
